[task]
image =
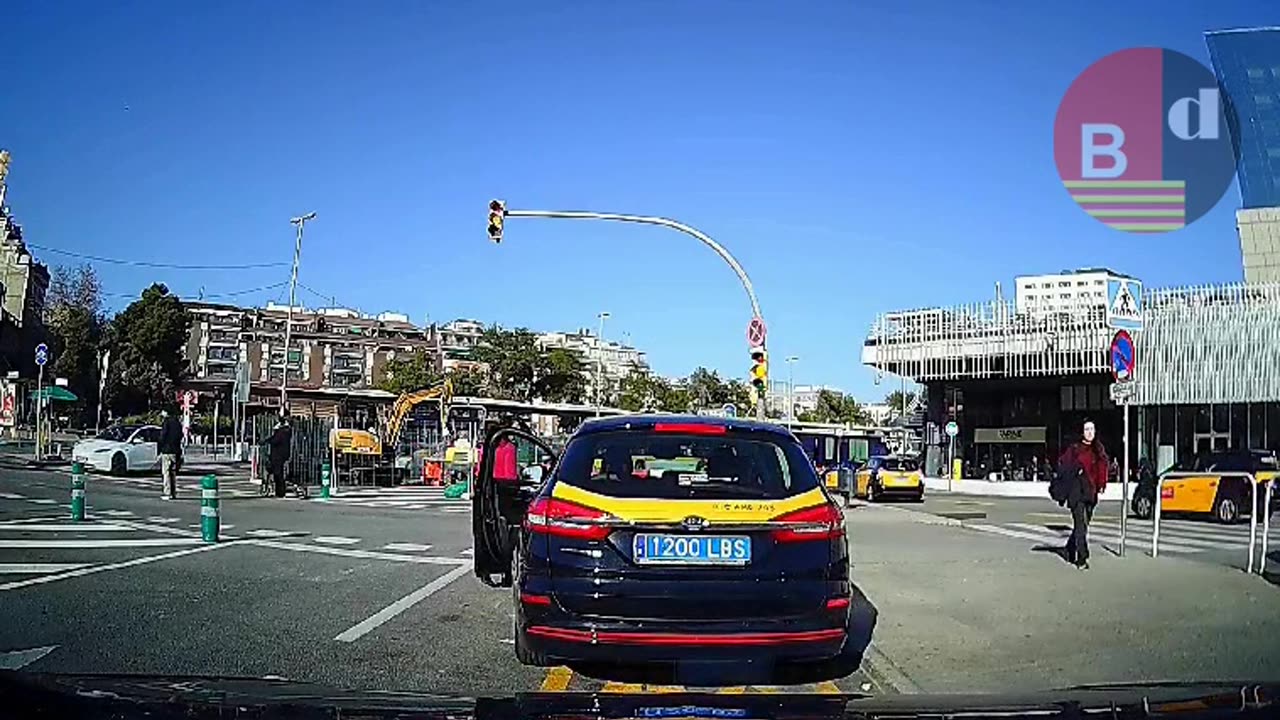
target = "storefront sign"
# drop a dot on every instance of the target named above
(1029, 435)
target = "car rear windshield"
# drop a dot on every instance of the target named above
(899, 465)
(649, 464)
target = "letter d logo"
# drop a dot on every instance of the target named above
(1139, 141)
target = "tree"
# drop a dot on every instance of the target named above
(73, 316)
(895, 401)
(468, 382)
(147, 360)
(834, 407)
(559, 377)
(513, 358)
(408, 373)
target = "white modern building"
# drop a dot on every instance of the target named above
(1259, 230)
(1020, 383)
(1038, 294)
(606, 358)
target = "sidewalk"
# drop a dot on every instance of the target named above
(1010, 488)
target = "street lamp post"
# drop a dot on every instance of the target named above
(791, 387)
(646, 220)
(298, 222)
(600, 359)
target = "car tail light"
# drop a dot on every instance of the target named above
(690, 428)
(544, 600)
(837, 603)
(1166, 493)
(821, 522)
(565, 519)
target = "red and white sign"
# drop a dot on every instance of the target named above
(756, 332)
(8, 401)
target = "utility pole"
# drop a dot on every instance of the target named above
(600, 359)
(791, 386)
(498, 213)
(298, 222)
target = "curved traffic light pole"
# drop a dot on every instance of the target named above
(667, 223)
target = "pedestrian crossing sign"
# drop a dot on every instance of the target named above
(1124, 304)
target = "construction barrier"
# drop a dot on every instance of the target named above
(432, 472)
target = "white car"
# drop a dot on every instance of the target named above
(120, 449)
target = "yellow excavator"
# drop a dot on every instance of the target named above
(351, 442)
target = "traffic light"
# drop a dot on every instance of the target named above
(497, 213)
(759, 370)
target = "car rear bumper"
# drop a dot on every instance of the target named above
(566, 638)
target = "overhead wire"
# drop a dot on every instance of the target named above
(145, 263)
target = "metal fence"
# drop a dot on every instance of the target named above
(309, 449)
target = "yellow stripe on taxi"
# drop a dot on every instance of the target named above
(673, 511)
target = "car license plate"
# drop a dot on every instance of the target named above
(691, 549)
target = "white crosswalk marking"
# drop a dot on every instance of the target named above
(267, 533)
(403, 497)
(162, 520)
(116, 513)
(42, 501)
(11, 496)
(1176, 535)
(406, 547)
(336, 540)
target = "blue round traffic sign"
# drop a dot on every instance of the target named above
(42, 354)
(1123, 356)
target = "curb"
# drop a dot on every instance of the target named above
(920, 516)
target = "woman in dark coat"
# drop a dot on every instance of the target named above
(1082, 476)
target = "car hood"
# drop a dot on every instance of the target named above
(159, 696)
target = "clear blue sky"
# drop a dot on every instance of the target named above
(856, 157)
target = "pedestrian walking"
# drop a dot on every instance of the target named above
(1081, 478)
(169, 448)
(279, 448)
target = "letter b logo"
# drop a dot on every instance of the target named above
(1140, 140)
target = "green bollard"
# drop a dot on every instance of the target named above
(77, 491)
(209, 508)
(324, 480)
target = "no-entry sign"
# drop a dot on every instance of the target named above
(756, 332)
(1122, 356)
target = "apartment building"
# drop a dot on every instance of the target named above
(328, 347)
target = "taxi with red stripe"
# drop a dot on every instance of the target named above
(658, 538)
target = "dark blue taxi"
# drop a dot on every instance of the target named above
(657, 538)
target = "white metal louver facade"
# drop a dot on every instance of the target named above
(1212, 344)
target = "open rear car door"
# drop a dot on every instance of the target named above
(514, 466)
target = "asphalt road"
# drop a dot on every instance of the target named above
(375, 591)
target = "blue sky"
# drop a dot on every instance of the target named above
(856, 157)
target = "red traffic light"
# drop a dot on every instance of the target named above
(497, 212)
(497, 206)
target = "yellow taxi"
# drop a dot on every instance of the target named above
(1213, 484)
(889, 476)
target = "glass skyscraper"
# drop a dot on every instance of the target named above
(1247, 64)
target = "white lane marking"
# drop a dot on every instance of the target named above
(267, 533)
(468, 552)
(42, 501)
(89, 544)
(406, 547)
(112, 566)
(336, 540)
(162, 520)
(19, 659)
(37, 519)
(360, 629)
(116, 513)
(60, 527)
(37, 568)
(466, 509)
(12, 496)
(364, 554)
